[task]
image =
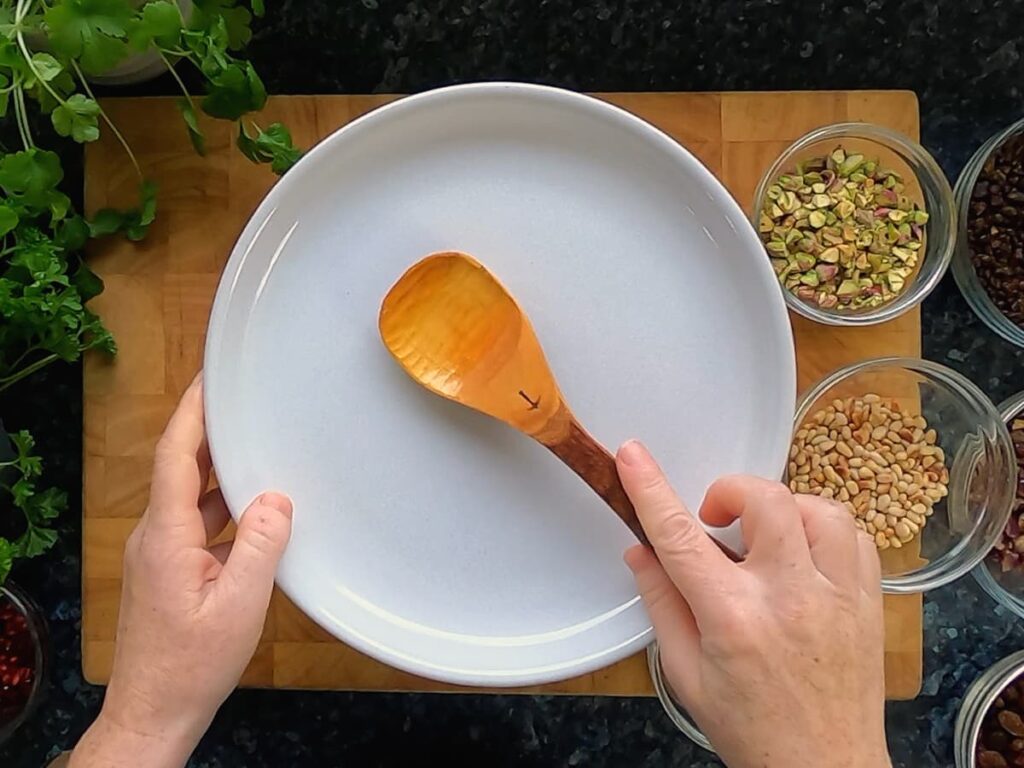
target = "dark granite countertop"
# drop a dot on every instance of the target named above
(964, 60)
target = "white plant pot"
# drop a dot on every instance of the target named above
(140, 67)
(136, 68)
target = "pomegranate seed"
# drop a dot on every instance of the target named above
(16, 670)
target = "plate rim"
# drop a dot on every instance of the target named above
(249, 235)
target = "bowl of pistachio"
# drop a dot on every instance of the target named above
(859, 223)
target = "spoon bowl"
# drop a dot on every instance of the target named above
(456, 331)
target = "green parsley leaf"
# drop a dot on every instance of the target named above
(35, 541)
(274, 146)
(38, 508)
(6, 558)
(91, 31)
(88, 283)
(160, 22)
(23, 443)
(45, 66)
(32, 175)
(257, 8)
(234, 91)
(8, 219)
(47, 505)
(71, 234)
(195, 133)
(96, 334)
(236, 20)
(77, 118)
(134, 223)
(106, 221)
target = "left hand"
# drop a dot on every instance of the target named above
(191, 614)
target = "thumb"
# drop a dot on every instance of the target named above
(262, 534)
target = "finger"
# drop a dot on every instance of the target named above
(215, 513)
(772, 527)
(832, 539)
(673, 622)
(263, 532)
(696, 566)
(177, 477)
(870, 566)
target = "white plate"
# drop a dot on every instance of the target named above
(425, 534)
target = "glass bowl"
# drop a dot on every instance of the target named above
(975, 705)
(926, 185)
(680, 717)
(963, 269)
(979, 455)
(1007, 588)
(35, 626)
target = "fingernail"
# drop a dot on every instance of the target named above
(277, 501)
(633, 452)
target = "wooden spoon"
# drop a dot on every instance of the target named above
(456, 331)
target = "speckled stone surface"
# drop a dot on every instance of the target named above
(962, 57)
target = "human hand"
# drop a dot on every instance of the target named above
(191, 614)
(779, 659)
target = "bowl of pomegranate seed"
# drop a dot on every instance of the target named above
(23, 658)
(1001, 574)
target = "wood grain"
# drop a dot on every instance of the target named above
(159, 294)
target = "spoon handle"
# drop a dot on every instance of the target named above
(596, 467)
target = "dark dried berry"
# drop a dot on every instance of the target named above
(989, 759)
(1007, 552)
(998, 740)
(1011, 722)
(995, 228)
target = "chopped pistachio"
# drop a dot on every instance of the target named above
(842, 231)
(850, 165)
(809, 278)
(848, 288)
(829, 255)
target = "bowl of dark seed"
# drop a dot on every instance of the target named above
(1001, 574)
(989, 730)
(919, 457)
(858, 221)
(989, 261)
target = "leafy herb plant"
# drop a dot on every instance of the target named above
(48, 51)
(19, 470)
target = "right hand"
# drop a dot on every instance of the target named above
(779, 659)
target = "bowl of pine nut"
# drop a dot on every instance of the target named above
(920, 458)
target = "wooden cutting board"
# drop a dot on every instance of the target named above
(158, 296)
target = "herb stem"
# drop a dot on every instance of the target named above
(28, 370)
(177, 79)
(32, 66)
(106, 119)
(20, 11)
(21, 117)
